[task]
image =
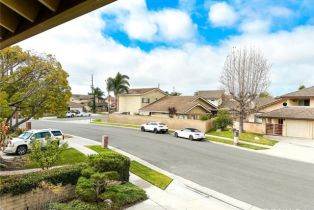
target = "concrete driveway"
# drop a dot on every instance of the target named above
(292, 148)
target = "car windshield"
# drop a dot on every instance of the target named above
(56, 133)
(194, 130)
(25, 135)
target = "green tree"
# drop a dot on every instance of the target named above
(31, 84)
(264, 94)
(301, 87)
(118, 85)
(48, 154)
(96, 93)
(223, 120)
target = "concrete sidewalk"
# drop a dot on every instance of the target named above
(181, 194)
(292, 148)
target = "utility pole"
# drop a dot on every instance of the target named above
(94, 97)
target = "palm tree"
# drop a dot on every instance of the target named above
(98, 92)
(118, 85)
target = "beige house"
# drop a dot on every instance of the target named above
(291, 115)
(182, 107)
(215, 97)
(135, 99)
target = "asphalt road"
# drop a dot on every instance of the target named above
(264, 181)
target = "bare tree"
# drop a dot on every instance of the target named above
(245, 76)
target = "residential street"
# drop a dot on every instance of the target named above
(264, 181)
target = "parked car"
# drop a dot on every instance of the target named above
(83, 114)
(190, 133)
(21, 144)
(70, 114)
(156, 127)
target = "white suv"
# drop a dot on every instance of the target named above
(156, 127)
(21, 144)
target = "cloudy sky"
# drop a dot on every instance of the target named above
(182, 44)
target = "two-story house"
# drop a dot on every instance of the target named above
(215, 97)
(290, 115)
(135, 99)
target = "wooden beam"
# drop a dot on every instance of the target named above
(26, 8)
(8, 18)
(3, 32)
(58, 18)
(50, 4)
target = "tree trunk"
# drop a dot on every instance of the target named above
(241, 121)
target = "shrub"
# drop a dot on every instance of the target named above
(90, 189)
(97, 120)
(205, 117)
(124, 194)
(78, 205)
(18, 184)
(223, 120)
(88, 171)
(111, 161)
(85, 190)
(47, 155)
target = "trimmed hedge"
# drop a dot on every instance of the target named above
(111, 161)
(78, 205)
(19, 184)
(124, 194)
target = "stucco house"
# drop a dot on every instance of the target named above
(182, 107)
(291, 115)
(215, 97)
(135, 99)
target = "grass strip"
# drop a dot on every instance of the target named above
(249, 137)
(240, 144)
(154, 177)
(69, 156)
(116, 124)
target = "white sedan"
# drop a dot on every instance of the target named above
(190, 133)
(83, 114)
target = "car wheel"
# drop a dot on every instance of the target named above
(21, 150)
(176, 135)
(142, 129)
(191, 137)
(155, 130)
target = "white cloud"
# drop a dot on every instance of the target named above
(167, 25)
(277, 11)
(222, 15)
(255, 26)
(82, 50)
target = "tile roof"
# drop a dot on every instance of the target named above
(259, 102)
(302, 113)
(181, 103)
(306, 92)
(139, 91)
(210, 94)
(75, 105)
(82, 97)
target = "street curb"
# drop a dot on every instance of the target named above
(189, 184)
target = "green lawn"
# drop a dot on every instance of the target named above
(158, 179)
(249, 146)
(69, 156)
(100, 122)
(249, 137)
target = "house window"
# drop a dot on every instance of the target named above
(257, 119)
(304, 102)
(145, 100)
(280, 121)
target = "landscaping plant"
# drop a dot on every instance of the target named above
(46, 155)
(223, 120)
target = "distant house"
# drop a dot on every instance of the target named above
(213, 96)
(182, 107)
(291, 115)
(135, 99)
(75, 106)
(86, 100)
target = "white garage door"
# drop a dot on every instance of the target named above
(298, 128)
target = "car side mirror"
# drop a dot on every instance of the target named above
(32, 138)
